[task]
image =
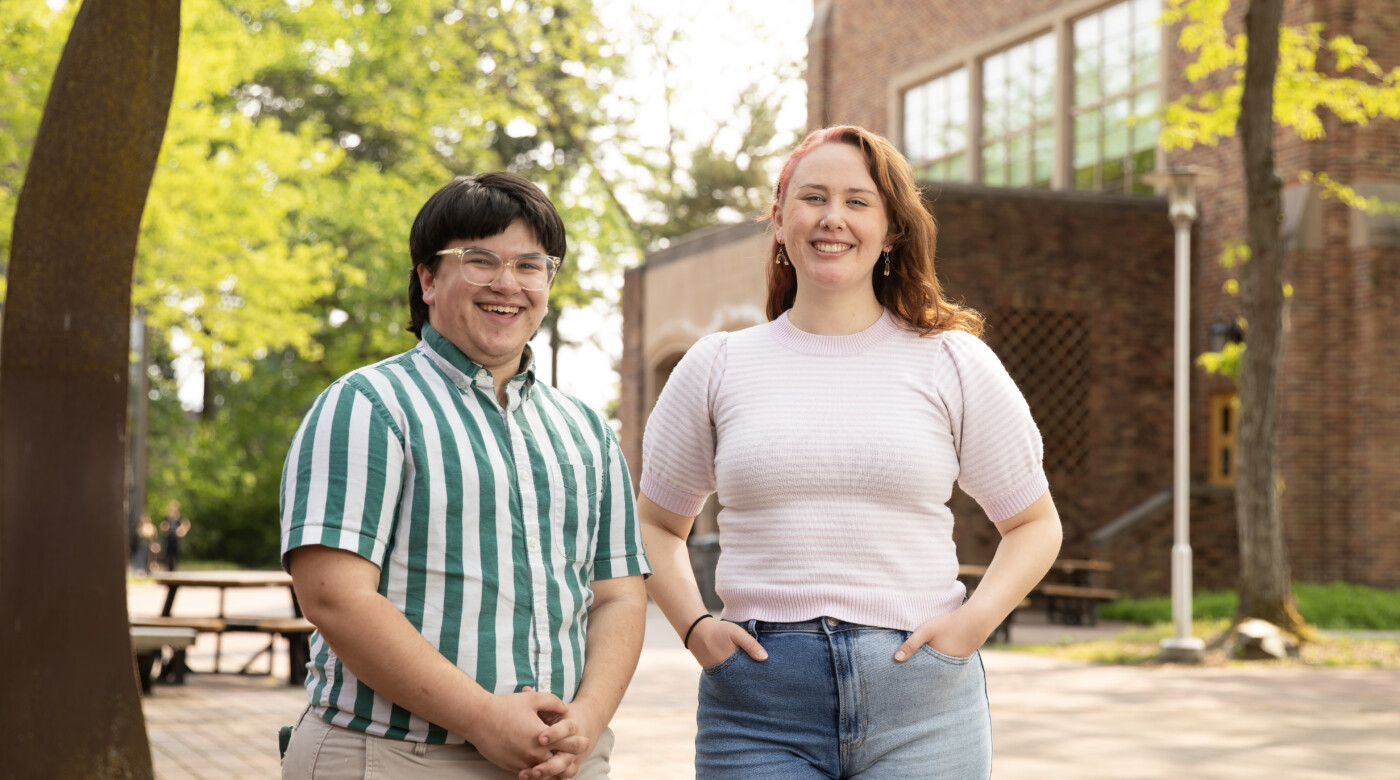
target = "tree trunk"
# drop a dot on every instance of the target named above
(1265, 588)
(71, 706)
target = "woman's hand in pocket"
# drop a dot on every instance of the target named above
(952, 634)
(714, 640)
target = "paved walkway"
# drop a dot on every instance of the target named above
(1052, 719)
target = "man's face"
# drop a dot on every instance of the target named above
(489, 324)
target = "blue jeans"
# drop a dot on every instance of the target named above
(830, 702)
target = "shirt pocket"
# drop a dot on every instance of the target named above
(573, 511)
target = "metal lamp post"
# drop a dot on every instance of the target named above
(1180, 182)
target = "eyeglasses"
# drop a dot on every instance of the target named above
(482, 267)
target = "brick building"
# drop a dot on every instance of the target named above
(1016, 116)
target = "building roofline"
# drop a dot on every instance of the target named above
(704, 240)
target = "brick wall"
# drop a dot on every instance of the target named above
(1109, 258)
(1338, 432)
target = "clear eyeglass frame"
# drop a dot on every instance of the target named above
(477, 264)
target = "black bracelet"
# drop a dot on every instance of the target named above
(686, 642)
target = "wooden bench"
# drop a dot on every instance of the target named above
(297, 632)
(149, 642)
(1080, 571)
(1068, 590)
(173, 670)
(1073, 605)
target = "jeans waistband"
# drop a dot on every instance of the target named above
(821, 625)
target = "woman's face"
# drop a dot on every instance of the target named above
(832, 220)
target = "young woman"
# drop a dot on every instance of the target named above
(834, 435)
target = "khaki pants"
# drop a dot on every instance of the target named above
(320, 751)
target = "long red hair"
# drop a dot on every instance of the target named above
(911, 291)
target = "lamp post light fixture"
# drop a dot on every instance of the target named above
(1223, 333)
(1180, 184)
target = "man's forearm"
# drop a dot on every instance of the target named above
(384, 651)
(616, 624)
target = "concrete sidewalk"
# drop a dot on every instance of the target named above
(1052, 719)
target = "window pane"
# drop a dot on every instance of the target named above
(1044, 156)
(1115, 132)
(1117, 65)
(1086, 60)
(957, 97)
(994, 97)
(1146, 12)
(954, 138)
(1145, 135)
(1086, 138)
(1145, 102)
(994, 164)
(1116, 22)
(1144, 162)
(1086, 150)
(1042, 55)
(935, 122)
(1084, 178)
(1112, 175)
(1018, 169)
(915, 124)
(1044, 80)
(957, 168)
(1146, 44)
(1018, 94)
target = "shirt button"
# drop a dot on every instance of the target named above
(533, 544)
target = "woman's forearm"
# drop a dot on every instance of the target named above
(1029, 545)
(672, 583)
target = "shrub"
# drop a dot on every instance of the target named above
(1338, 606)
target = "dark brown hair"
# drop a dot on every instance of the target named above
(474, 207)
(911, 291)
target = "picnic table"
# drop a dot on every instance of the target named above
(1069, 590)
(295, 629)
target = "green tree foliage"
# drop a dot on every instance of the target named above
(304, 136)
(33, 41)
(725, 175)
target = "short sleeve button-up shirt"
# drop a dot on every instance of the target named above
(488, 523)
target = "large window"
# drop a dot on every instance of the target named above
(1116, 70)
(1018, 114)
(1007, 116)
(935, 127)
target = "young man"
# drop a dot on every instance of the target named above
(455, 528)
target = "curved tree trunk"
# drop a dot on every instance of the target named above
(71, 706)
(1265, 588)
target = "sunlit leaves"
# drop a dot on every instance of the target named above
(1331, 188)
(1354, 88)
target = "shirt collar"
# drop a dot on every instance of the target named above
(464, 372)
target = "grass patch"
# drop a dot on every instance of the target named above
(1334, 607)
(1141, 646)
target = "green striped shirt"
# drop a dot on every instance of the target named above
(488, 525)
